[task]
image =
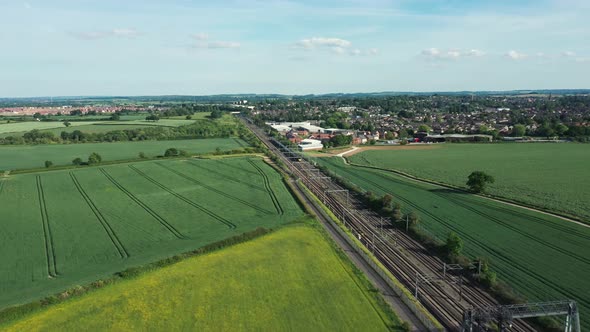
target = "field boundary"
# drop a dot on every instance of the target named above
(149, 210)
(12, 313)
(217, 191)
(271, 193)
(212, 214)
(105, 224)
(47, 235)
(560, 215)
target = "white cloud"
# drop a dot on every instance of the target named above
(568, 54)
(216, 45)
(335, 45)
(121, 33)
(338, 50)
(356, 51)
(200, 36)
(314, 42)
(203, 42)
(450, 54)
(127, 33)
(476, 53)
(514, 55)
(223, 44)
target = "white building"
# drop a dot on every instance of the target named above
(286, 126)
(310, 144)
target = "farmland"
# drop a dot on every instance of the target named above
(33, 156)
(55, 127)
(551, 176)
(542, 257)
(291, 279)
(73, 226)
(22, 127)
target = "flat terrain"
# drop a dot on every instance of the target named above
(542, 257)
(554, 176)
(22, 127)
(71, 227)
(56, 127)
(288, 280)
(34, 156)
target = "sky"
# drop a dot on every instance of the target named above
(150, 47)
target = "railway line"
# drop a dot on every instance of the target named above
(446, 295)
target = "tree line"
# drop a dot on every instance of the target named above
(199, 129)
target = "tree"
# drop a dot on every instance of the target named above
(454, 245)
(518, 130)
(396, 213)
(77, 161)
(67, 123)
(183, 153)
(477, 181)
(48, 163)
(142, 155)
(152, 117)
(115, 117)
(413, 218)
(94, 158)
(172, 152)
(424, 128)
(561, 129)
(216, 114)
(386, 201)
(188, 117)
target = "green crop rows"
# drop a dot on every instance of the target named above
(33, 156)
(542, 257)
(70, 227)
(552, 176)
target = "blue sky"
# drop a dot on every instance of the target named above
(149, 47)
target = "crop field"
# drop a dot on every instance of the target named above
(288, 280)
(13, 128)
(542, 257)
(72, 226)
(20, 128)
(551, 175)
(34, 156)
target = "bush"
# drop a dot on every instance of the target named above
(171, 152)
(94, 158)
(142, 155)
(48, 163)
(77, 161)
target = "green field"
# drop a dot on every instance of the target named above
(289, 280)
(73, 226)
(20, 128)
(33, 156)
(552, 176)
(542, 257)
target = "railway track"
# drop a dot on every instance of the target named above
(445, 295)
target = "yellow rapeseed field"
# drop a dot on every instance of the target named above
(291, 279)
